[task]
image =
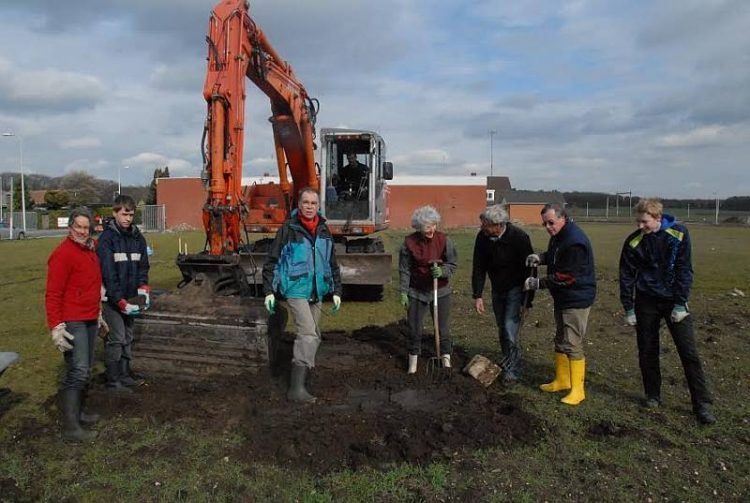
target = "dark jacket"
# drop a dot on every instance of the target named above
(571, 275)
(503, 259)
(302, 266)
(124, 261)
(657, 264)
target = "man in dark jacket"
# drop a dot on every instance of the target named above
(656, 275)
(571, 280)
(301, 267)
(123, 256)
(500, 252)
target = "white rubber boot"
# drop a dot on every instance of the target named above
(412, 364)
(446, 361)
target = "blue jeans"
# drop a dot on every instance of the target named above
(80, 359)
(507, 309)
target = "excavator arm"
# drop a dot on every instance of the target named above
(238, 49)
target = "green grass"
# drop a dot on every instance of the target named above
(606, 449)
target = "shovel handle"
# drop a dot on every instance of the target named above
(435, 318)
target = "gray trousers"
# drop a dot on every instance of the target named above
(80, 359)
(306, 325)
(120, 337)
(417, 311)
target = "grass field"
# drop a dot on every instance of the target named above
(606, 449)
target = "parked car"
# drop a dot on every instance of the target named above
(5, 231)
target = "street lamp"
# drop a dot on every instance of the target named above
(492, 134)
(20, 167)
(118, 178)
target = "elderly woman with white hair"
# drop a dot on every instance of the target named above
(426, 254)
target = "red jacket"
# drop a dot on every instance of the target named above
(74, 282)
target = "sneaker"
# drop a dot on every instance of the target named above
(704, 416)
(652, 403)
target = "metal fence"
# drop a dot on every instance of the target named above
(31, 219)
(153, 217)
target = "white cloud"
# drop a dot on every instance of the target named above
(699, 137)
(80, 143)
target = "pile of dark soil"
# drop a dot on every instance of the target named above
(368, 413)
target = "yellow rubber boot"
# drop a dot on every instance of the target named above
(562, 375)
(577, 375)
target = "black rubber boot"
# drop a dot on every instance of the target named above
(703, 414)
(71, 408)
(87, 418)
(297, 391)
(125, 378)
(113, 378)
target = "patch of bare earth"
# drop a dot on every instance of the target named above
(368, 412)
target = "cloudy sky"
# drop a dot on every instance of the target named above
(648, 96)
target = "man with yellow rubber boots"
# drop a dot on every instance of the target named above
(571, 280)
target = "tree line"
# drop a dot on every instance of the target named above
(76, 188)
(599, 200)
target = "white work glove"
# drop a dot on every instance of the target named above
(127, 308)
(630, 317)
(270, 303)
(679, 313)
(531, 283)
(102, 325)
(145, 290)
(533, 260)
(336, 303)
(61, 336)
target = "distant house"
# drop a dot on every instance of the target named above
(38, 197)
(496, 185)
(525, 206)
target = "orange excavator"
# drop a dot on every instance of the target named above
(212, 323)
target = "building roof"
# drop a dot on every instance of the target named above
(498, 183)
(530, 197)
(442, 181)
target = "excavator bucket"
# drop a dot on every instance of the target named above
(192, 333)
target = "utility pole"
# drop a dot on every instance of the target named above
(716, 219)
(492, 133)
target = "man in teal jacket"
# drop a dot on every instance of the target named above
(301, 267)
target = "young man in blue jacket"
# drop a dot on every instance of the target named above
(571, 280)
(301, 267)
(656, 275)
(123, 257)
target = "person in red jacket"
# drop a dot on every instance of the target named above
(72, 303)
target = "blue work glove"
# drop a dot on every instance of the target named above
(436, 271)
(336, 303)
(630, 317)
(679, 313)
(270, 303)
(404, 299)
(127, 308)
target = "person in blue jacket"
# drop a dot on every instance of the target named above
(571, 280)
(656, 275)
(123, 255)
(301, 267)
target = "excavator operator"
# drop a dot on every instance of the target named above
(352, 180)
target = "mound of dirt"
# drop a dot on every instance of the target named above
(368, 413)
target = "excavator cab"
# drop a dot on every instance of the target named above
(354, 174)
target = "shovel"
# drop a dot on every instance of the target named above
(435, 363)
